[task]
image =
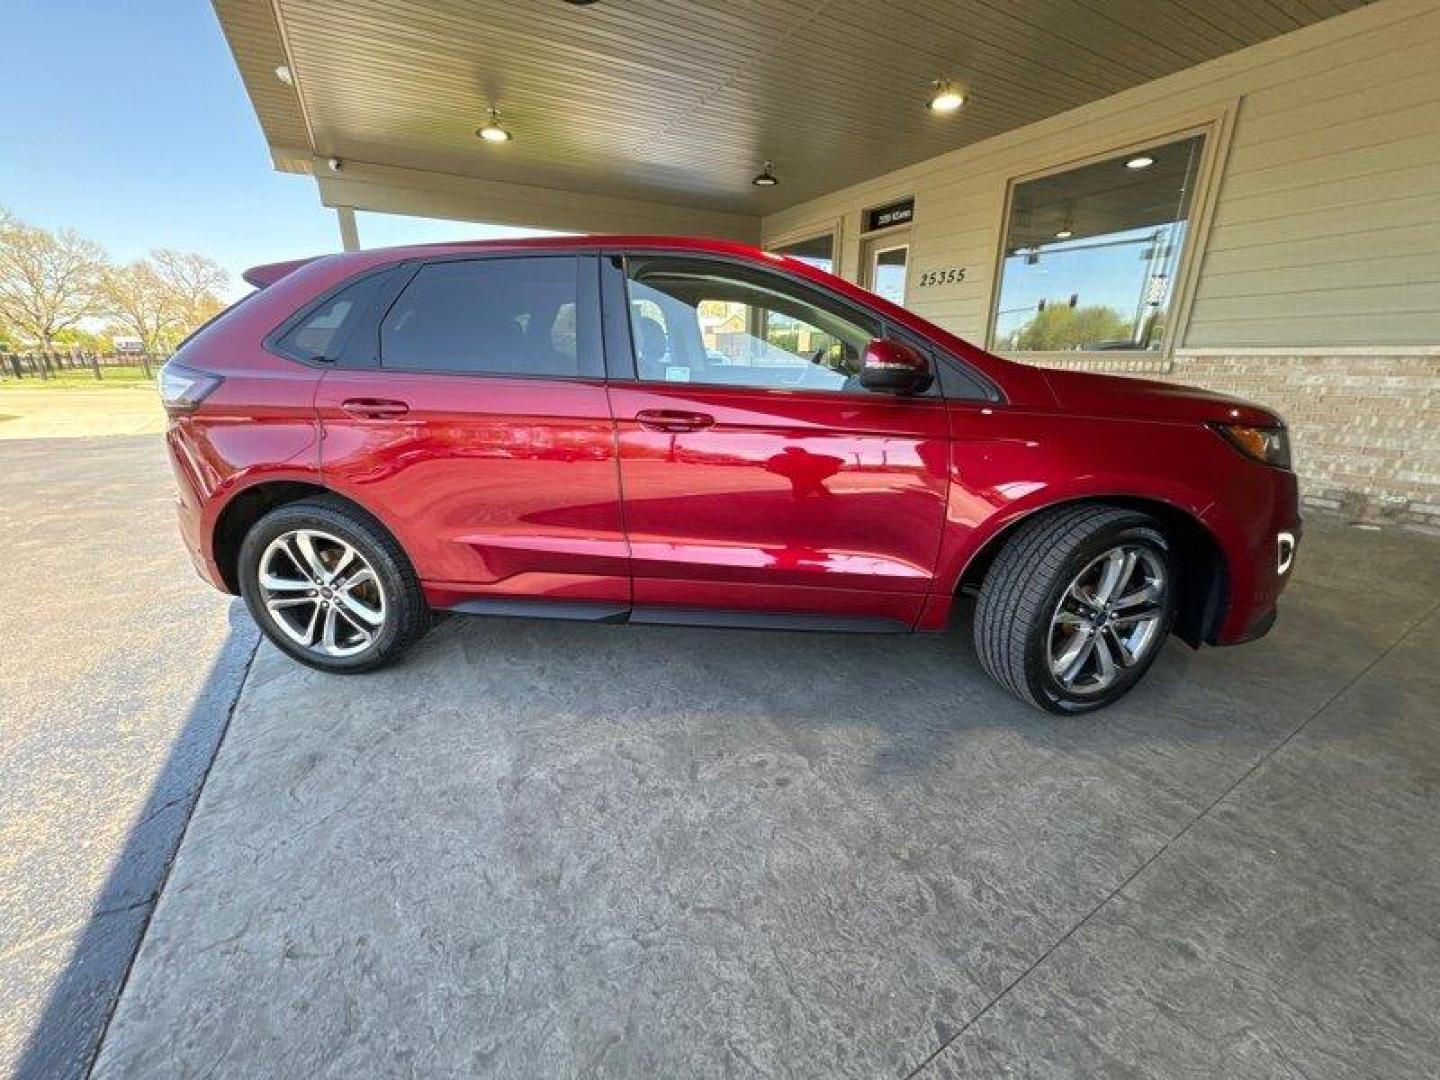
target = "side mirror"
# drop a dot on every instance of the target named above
(894, 367)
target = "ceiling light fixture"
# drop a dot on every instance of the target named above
(767, 177)
(1143, 161)
(284, 74)
(493, 132)
(946, 97)
(1064, 234)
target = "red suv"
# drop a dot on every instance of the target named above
(669, 430)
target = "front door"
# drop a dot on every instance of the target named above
(477, 424)
(757, 473)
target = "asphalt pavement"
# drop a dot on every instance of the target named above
(118, 669)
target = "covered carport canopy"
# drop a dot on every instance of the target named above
(655, 115)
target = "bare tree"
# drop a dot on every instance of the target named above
(193, 283)
(48, 279)
(139, 301)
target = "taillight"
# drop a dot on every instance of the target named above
(1270, 445)
(182, 389)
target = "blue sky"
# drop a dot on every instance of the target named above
(126, 120)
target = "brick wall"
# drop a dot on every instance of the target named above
(1364, 423)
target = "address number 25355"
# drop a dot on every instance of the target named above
(951, 276)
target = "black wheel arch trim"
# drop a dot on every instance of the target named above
(1205, 599)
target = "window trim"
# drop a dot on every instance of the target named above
(1217, 126)
(588, 331)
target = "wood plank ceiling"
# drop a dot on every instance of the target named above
(680, 101)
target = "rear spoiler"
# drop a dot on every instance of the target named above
(261, 276)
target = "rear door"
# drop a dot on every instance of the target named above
(758, 474)
(471, 416)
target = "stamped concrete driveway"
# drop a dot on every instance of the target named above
(550, 850)
(118, 667)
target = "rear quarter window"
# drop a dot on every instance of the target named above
(321, 332)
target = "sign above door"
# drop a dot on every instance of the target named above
(900, 212)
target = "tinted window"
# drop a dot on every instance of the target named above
(509, 316)
(322, 332)
(712, 323)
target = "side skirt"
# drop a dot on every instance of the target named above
(596, 611)
(765, 620)
(571, 610)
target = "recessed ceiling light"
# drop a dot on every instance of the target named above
(493, 132)
(946, 97)
(1143, 161)
(1064, 234)
(284, 75)
(767, 177)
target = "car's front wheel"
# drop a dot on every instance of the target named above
(1076, 606)
(330, 586)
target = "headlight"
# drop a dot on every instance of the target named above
(1268, 444)
(181, 389)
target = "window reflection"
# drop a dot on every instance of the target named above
(1092, 254)
(699, 322)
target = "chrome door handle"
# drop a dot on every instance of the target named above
(374, 408)
(673, 420)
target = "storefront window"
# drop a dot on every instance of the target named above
(1092, 254)
(818, 251)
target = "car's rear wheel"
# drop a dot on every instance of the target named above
(1076, 606)
(331, 587)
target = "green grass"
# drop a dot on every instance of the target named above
(118, 377)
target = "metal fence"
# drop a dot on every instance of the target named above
(67, 363)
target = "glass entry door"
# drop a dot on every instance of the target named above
(885, 259)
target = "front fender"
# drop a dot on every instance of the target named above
(972, 541)
(1009, 464)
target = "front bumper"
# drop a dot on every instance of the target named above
(1259, 626)
(1257, 521)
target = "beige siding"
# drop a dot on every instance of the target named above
(1326, 228)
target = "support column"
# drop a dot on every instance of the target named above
(349, 231)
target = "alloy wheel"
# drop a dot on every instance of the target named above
(1109, 619)
(321, 592)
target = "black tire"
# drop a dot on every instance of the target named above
(406, 615)
(1025, 585)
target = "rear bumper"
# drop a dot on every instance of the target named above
(190, 503)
